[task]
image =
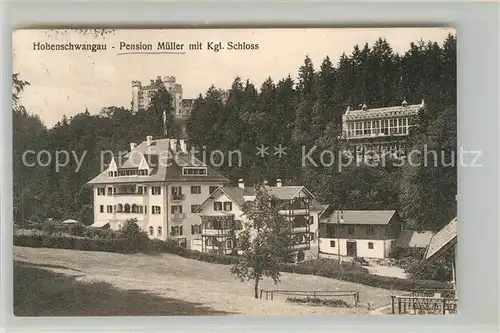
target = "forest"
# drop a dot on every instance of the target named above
(305, 112)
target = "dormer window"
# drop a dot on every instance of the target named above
(194, 171)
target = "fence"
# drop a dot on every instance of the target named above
(445, 293)
(421, 305)
(269, 294)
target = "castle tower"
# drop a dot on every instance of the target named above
(136, 87)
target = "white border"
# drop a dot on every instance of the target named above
(478, 127)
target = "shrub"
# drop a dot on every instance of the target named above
(399, 252)
(336, 303)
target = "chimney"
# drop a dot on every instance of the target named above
(278, 183)
(149, 140)
(364, 107)
(173, 145)
(133, 145)
(182, 142)
(241, 183)
(405, 103)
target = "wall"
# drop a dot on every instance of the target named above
(379, 251)
(186, 203)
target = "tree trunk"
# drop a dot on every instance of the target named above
(256, 288)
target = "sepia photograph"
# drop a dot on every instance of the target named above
(235, 171)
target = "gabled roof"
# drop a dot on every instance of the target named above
(237, 194)
(412, 238)
(372, 217)
(165, 165)
(442, 240)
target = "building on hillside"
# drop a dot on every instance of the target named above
(222, 217)
(142, 95)
(158, 183)
(444, 244)
(360, 233)
(374, 132)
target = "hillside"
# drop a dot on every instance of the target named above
(208, 287)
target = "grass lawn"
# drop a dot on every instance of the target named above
(101, 283)
(39, 292)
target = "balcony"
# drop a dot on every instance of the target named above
(129, 193)
(294, 211)
(216, 232)
(177, 216)
(177, 197)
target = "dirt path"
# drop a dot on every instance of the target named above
(175, 277)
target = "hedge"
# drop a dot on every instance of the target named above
(75, 243)
(125, 246)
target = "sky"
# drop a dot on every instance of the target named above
(67, 82)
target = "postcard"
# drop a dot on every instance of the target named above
(235, 171)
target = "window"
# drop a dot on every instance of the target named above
(176, 209)
(212, 189)
(195, 189)
(194, 171)
(194, 208)
(196, 229)
(159, 231)
(156, 190)
(332, 243)
(217, 206)
(114, 190)
(151, 230)
(350, 230)
(156, 209)
(109, 209)
(145, 209)
(100, 191)
(110, 190)
(367, 127)
(180, 231)
(228, 206)
(101, 208)
(238, 225)
(370, 245)
(145, 190)
(359, 128)
(229, 244)
(370, 230)
(176, 190)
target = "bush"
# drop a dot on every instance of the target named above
(74, 243)
(399, 252)
(336, 303)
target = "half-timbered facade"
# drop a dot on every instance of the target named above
(222, 217)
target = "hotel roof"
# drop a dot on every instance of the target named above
(442, 240)
(387, 112)
(165, 165)
(372, 217)
(237, 194)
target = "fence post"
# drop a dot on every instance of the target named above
(399, 305)
(444, 306)
(392, 304)
(272, 295)
(261, 293)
